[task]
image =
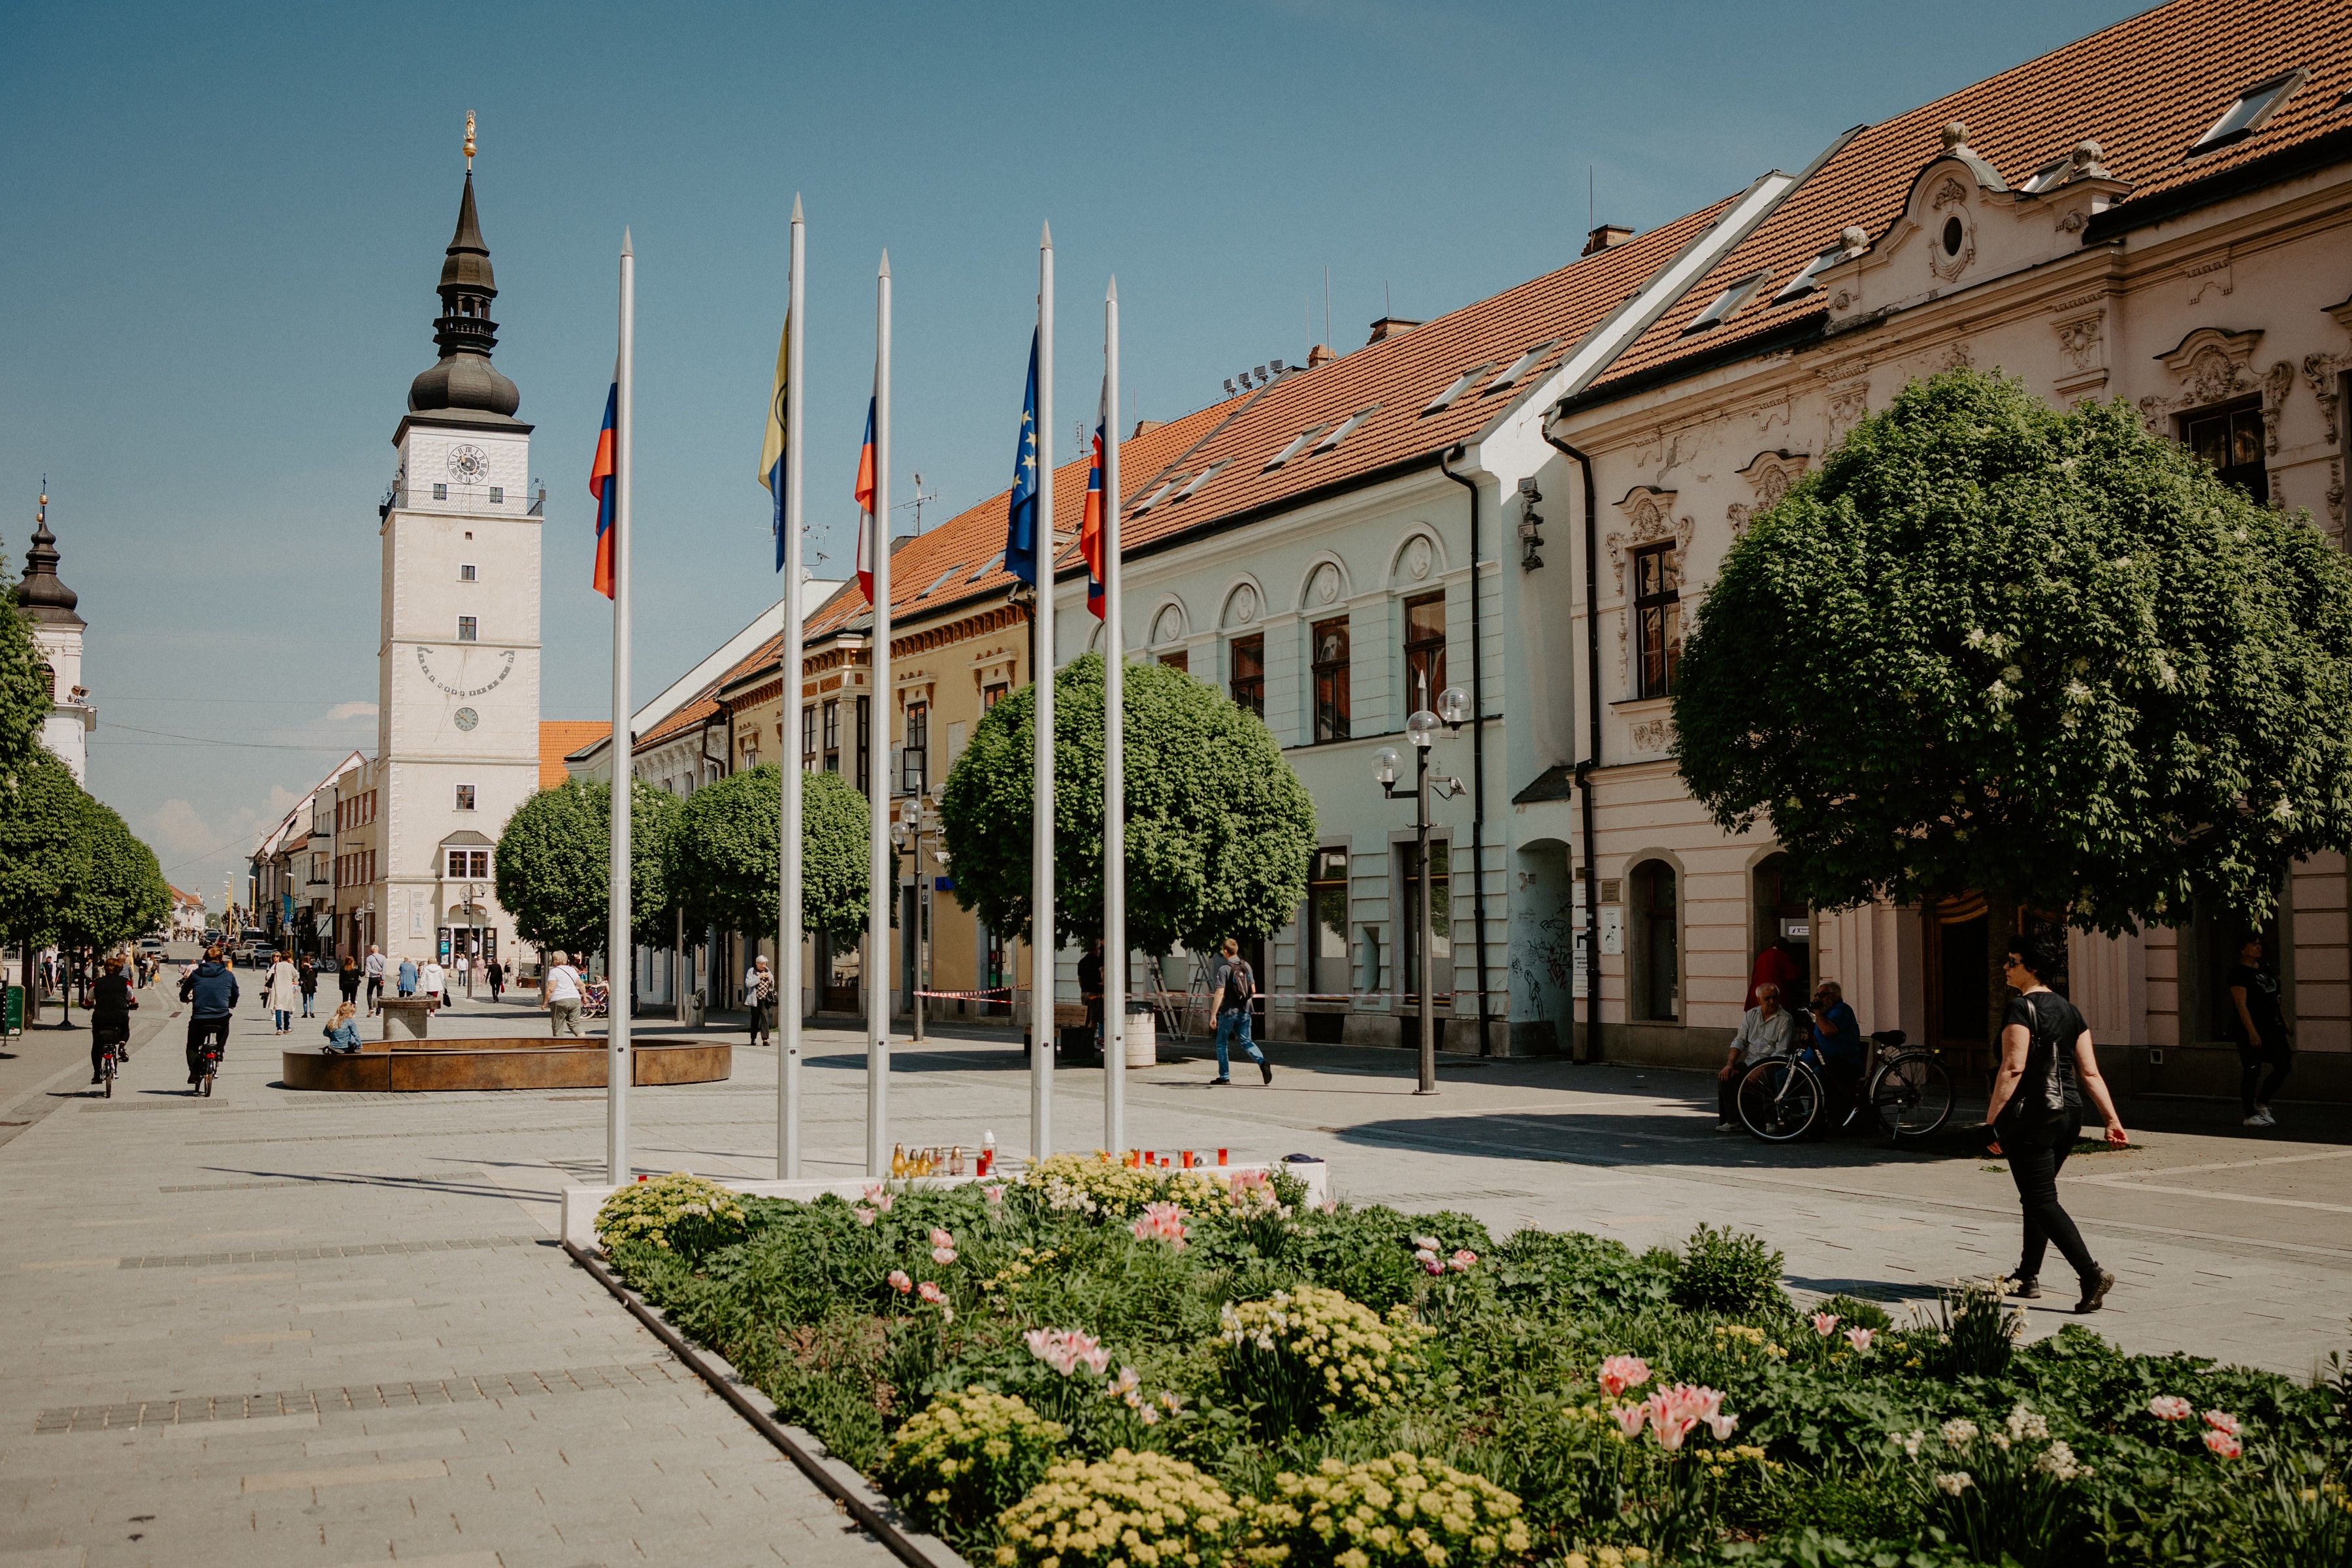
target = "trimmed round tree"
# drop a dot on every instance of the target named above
(117, 890)
(723, 856)
(555, 867)
(23, 693)
(1219, 829)
(2046, 655)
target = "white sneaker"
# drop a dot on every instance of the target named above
(1726, 1127)
(2258, 1119)
(2264, 1112)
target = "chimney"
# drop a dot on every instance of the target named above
(1606, 237)
(1321, 354)
(1143, 425)
(1389, 327)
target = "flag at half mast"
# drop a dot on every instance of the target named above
(864, 492)
(1023, 535)
(1091, 536)
(607, 493)
(772, 448)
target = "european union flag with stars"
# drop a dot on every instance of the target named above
(1021, 529)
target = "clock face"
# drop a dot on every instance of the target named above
(468, 465)
(467, 718)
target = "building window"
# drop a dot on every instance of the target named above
(1441, 917)
(467, 574)
(1326, 915)
(833, 737)
(469, 863)
(808, 740)
(2229, 442)
(498, 495)
(1655, 980)
(1657, 620)
(914, 761)
(1249, 673)
(465, 797)
(467, 626)
(1424, 650)
(1177, 660)
(440, 492)
(865, 780)
(1331, 681)
(989, 696)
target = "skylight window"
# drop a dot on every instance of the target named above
(985, 567)
(2050, 175)
(1156, 497)
(1727, 304)
(941, 581)
(2254, 106)
(1346, 428)
(1200, 481)
(1444, 399)
(1809, 279)
(1299, 444)
(1521, 365)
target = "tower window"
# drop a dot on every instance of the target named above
(465, 797)
(467, 629)
(440, 492)
(467, 574)
(498, 495)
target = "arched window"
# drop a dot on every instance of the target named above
(1654, 975)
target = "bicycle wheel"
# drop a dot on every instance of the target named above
(1911, 1095)
(108, 1092)
(1780, 1100)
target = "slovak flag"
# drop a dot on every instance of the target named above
(866, 507)
(1090, 531)
(607, 493)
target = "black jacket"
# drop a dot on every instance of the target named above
(210, 991)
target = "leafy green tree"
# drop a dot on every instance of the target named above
(2048, 655)
(1219, 829)
(723, 858)
(40, 857)
(555, 866)
(117, 890)
(23, 693)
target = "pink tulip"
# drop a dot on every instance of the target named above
(1823, 1322)
(943, 1256)
(1672, 1412)
(941, 1238)
(2225, 1445)
(865, 1216)
(2169, 1408)
(1631, 1417)
(993, 1195)
(931, 1293)
(1163, 1222)
(2222, 1421)
(1723, 1426)
(899, 1282)
(1860, 1338)
(1462, 1260)
(1620, 1373)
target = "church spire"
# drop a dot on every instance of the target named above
(464, 383)
(40, 596)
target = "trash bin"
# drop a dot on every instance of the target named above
(1142, 1035)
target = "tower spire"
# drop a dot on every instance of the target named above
(40, 596)
(464, 383)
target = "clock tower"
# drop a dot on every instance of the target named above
(457, 680)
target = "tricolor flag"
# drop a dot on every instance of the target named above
(1090, 531)
(866, 507)
(1023, 539)
(607, 493)
(771, 449)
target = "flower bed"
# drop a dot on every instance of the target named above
(1098, 1367)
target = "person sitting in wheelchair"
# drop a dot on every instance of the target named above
(1767, 1030)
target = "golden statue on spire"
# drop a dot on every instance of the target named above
(470, 141)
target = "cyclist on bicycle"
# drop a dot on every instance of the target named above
(1837, 1040)
(1768, 1029)
(210, 991)
(110, 1018)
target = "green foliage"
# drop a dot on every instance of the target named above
(1396, 1511)
(24, 693)
(1853, 1312)
(724, 860)
(1555, 1274)
(555, 866)
(1989, 645)
(969, 1455)
(117, 890)
(1300, 1357)
(1129, 1509)
(1975, 1331)
(690, 1214)
(1728, 1271)
(1219, 829)
(69, 870)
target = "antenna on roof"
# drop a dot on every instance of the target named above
(1589, 206)
(917, 503)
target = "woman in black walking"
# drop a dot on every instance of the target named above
(2047, 1067)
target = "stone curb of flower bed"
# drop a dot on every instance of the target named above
(869, 1507)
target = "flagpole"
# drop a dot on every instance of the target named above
(1041, 899)
(618, 968)
(1114, 760)
(880, 893)
(788, 825)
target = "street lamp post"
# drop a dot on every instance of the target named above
(1419, 729)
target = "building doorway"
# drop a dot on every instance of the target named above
(1777, 914)
(836, 971)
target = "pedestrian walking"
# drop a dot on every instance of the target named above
(760, 995)
(110, 1018)
(432, 981)
(1766, 1031)
(2263, 1039)
(1090, 991)
(347, 979)
(464, 969)
(279, 991)
(558, 991)
(2047, 1068)
(310, 985)
(405, 978)
(210, 991)
(497, 973)
(1234, 985)
(375, 967)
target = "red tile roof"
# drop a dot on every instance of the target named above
(2145, 89)
(558, 738)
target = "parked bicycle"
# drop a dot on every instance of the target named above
(1906, 1093)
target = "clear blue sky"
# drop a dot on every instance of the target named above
(223, 225)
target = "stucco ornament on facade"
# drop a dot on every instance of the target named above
(1769, 475)
(2325, 373)
(1649, 513)
(1417, 558)
(1654, 736)
(2212, 365)
(1241, 608)
(1324, 586)
(1946, 259)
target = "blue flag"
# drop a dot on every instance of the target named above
(1021, 529)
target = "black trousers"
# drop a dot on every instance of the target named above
(2036, 1151)
(104, 1032)
(200, 1031)
(2278, 1057)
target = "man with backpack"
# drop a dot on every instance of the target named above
(1233, 986)
(210, 991)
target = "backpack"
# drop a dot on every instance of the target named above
(1240, 987)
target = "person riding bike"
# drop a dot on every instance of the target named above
(110, 1018)
(210, 991)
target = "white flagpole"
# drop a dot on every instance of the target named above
(619, 954)
(1040, 898)
(788, 828)
(1114, 761)
(880, 893)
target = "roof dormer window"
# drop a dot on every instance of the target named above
(1521, 365)
(1809, 278)
(1160, 494)
(985, 567)
(1200, 481)
(941, 581)
(1346, 428)
(1444, 399)
(1299, 444)
(1727, 304)
(2254, 106)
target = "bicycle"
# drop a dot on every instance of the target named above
(1784, 1099)
(109, 1064)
